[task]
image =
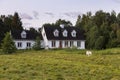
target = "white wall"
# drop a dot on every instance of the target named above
(57, 45)
(82, 44)
(42, 44)
(24, 43)
(44, 38)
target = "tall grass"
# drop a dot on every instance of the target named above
(64, 64)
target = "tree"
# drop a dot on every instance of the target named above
(118, 18)
(2, 30)
(79, 23)
(8, 45)
(113, 17)
(99, 44)
(8, 22)
(66, 23)
(37, 45)
(33, 30)
(16, 22)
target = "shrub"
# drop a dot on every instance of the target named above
(8, 45)
(37, 44)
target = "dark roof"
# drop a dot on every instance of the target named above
(16, 34)
(49, 33)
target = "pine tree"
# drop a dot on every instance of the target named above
(8, 45)
(16, 22)
(37, 44)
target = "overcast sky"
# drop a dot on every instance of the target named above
(37, 12)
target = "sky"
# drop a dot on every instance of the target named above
(35, 13)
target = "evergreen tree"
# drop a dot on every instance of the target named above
(8, 45)
(79, 23)
(2, 30)
(16, 22)
(37, 45)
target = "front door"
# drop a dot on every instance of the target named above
(60, 45)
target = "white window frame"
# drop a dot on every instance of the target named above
(71, 43)
(65, 33)
(78, 43)
(66, 43)
(23, 34)
(73, 33)
(19, 44)
(53, 44)
(28, 44)
(56, 33)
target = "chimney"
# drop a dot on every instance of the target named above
(62, 25)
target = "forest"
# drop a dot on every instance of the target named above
(101, 29)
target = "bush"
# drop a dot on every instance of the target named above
(8, 45)
(37, 44)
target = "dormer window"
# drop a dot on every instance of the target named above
(73, 33)
(65, 33)
(23, 34)
(56, 33)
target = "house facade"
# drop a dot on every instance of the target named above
(63, 37)
(51, 37)
(24, 39)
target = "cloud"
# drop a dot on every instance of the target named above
(26, 16)
(36, 14)
(117, 1)
(72, 14)
(50, 14)
(26, 24)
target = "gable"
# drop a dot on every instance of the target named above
(56, 33)
(73, 33)
(23, 34)
(65, 33)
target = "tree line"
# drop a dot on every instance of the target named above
(11, 23)
(101, 30)
(8, 23)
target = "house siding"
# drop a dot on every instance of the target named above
(24, 44)
(82, 45)
(57, 44)
(46, 43)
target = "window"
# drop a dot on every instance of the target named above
(78, 43)
(53, 44)
(28, 44)
(19, 44)
(23, 34)
(56, 33)
(65, 33)
(66, 43)
(71, 43)
(73, 33)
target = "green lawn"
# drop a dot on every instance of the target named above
(65, 64)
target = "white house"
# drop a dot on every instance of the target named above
(24, 39)
(51, 37)
(63, 37)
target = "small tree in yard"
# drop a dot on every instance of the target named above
(37, 44)
(8, 45)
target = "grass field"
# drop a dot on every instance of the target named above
(68, 64)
